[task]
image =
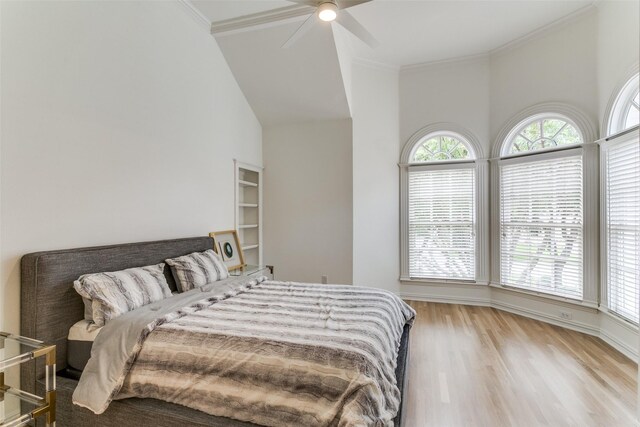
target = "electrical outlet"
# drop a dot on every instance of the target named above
(324, 280)
(565, 315)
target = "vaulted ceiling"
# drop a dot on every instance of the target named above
(305, 83)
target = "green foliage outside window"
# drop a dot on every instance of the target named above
(440, 148)
(544, 134)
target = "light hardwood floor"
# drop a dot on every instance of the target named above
(477, 366)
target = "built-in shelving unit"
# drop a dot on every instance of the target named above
(247, 183)
(249, 210)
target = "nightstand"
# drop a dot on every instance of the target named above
(254, 271)
(18, 407)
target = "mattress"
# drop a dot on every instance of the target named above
(79, 343)
(264, 352)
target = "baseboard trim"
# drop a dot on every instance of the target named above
(482, 302)
(544, 317)
(624, 348)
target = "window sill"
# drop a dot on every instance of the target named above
(436, 282)
(509, 289)
(545, 296)
(619, 319)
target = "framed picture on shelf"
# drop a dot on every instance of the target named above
(227, 245)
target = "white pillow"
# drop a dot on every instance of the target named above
(114, 293)
(197, 269)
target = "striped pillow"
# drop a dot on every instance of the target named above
(197, 269)
(115, 293)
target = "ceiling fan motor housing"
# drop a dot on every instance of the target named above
(328, 11)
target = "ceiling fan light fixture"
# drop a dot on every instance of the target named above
(328, 11)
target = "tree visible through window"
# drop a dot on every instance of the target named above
(543, 134)
(541, 209)
(437, 148)
(442, 208)
(620, 156)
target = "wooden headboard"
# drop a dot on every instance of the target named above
(50, 305)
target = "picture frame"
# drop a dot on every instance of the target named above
(227, 245)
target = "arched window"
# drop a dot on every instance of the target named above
(440, 147)
(625, 111)
(439, 205)
(543, 133)
(620, 157)
(541, 204)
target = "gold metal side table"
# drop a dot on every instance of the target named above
(18, 407)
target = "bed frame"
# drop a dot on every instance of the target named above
(50, 306)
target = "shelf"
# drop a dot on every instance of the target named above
(248, 208)
(17, 407)
(15, 350)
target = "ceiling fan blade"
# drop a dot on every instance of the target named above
(302, 29)
(312, 3)
(354, 27)
(343, 4)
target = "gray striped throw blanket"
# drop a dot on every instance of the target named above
(275, 354)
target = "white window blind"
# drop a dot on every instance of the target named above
(623, 228)
(542, 224)
(442, 222)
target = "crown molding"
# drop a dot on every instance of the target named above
(540, 31)
(194, 13)
(421, 65)
(573, 16)
(260, 19)
(375, 64)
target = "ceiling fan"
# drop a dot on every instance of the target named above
(329, 11)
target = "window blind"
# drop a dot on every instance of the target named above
(442, 222)
(622, 186)
(542, 225)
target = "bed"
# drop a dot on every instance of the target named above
(50, 307)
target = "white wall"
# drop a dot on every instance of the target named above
(120, 122)
(375, 107)
(578, 63)
(454, 91)
(482, 93)
(558, 65)
(308, 201)
(618, 47)
(345, 59)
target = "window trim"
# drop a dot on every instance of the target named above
(581, 121)
(506, 146)
(438, 134)
(481, 166)
(452, 129)
(605, 144)
(612, 112)
(590, 164)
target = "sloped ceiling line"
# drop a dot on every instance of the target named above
(259, 20)
(311, 81)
